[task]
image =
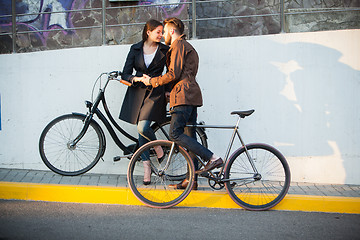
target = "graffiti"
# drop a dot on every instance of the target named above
(54, 23)
(175, 8)
(44, 15)
(58, 19)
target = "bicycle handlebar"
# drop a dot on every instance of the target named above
(125, 82)
(114, 74)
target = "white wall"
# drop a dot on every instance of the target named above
(304, 87)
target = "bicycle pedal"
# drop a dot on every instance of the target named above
(117, 158)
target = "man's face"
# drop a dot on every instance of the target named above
(167, 35)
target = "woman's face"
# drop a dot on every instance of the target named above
(156, 34)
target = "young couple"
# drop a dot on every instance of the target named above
(145, 100)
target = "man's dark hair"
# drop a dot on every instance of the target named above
(150, 26)
(176, 23)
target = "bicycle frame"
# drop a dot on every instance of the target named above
(108, 121)
(226, 158)
(93, 109)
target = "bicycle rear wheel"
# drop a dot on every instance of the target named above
(262, 190)
(58, 154)
(158, 194)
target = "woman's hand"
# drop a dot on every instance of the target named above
(138, 79)
(146, 80)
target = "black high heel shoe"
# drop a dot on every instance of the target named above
(146, 182)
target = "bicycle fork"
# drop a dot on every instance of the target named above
(87, 120)
(167, 164)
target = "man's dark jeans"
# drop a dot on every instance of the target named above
(186, 136)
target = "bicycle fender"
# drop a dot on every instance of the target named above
(202, 131)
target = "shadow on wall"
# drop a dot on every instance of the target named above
(321, 94)
(306, 102)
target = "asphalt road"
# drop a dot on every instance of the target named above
(48, 220)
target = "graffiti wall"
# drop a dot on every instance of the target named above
(55, 24)
(42, 17)
(174, 9)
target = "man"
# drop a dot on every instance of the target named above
(185, 96)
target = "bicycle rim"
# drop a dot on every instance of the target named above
(158, 193)
(257, 192)
(59, 156)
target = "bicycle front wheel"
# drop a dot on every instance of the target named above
(158, 193)
(259, 190)
(57, 152)
(162, 133)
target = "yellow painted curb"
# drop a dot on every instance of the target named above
(290, 202)
(67, 193)
(122, 195)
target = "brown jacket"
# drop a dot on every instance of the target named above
(182, 62)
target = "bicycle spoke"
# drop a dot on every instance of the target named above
(158, 193)
(56, 148)
(268, 186)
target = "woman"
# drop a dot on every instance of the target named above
(143, 104)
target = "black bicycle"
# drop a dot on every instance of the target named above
(72, 144)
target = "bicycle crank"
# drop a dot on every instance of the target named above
(216, 183)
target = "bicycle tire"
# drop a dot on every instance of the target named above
(59, 157)
(259, 192)
(162, 132)
(158, 194)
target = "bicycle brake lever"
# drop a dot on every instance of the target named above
(114, 74)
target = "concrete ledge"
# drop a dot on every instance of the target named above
(124, 196)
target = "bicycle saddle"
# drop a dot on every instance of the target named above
(243, 114)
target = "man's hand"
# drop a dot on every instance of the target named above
(146, 80)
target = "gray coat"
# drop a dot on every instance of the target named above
(141, 102)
